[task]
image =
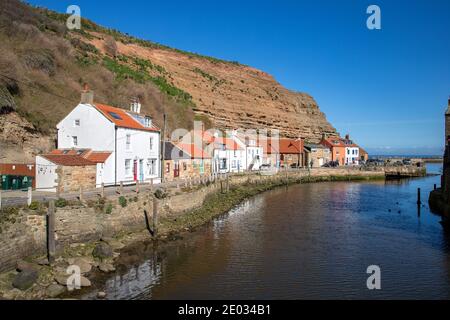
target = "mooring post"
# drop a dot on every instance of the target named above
(121, 187)
(418, 197)
(81, 194)
(51, 241)
(103, 190)
(228, 182)
(221, 186)
(155, 216)
(137, 186)
(30, 196)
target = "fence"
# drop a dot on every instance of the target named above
(16, 198)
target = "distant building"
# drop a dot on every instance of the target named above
(185, 161)
(252, 149)
(317, 155)
(343, 150)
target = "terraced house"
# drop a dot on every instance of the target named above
(130, 137)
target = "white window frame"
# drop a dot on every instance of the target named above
(128, 142)
(77, 123)
(128, 171)
(151, 143)
(75, 141)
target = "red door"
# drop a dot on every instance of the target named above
(135, 170)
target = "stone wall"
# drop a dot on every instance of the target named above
(26, 236)
(71, 178)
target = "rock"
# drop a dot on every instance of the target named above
(23, 265)
(102, 251)
(106, 267)
(12, 294)
(55, 290)
(101, 295)
(25, 279)
(43, 262)
(84, 265)
(85, 282)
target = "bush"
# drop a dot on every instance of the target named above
(34, 205)
(109, 208)
(160, 193)
(61, 203)
(123, 201)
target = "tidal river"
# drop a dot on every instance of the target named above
(310, 241)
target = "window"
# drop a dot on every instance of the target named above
(77, 123)
(148, 122)
(184, 166)
(128, 167)
(128, 147)
(233, 164)
(223, 164)
(151, 167)
(75, 141)
(167, 167)
(115, 115)
(151, 143)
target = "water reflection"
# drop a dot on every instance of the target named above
(307, 241)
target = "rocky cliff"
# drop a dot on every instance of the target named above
(43, 67)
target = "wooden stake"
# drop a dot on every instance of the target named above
(419, 202)
(155, 216)
(30, 196)
(103, 190)
(51, 241)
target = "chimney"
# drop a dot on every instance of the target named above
(87, 95)
(347, 137)
(135, 106)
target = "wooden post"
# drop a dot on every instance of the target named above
(30, 196)
(81, 193)
(121, 187)
(0, 199)
(435, 187)
(221, 186)
(103, 190)
(419, 202)
(58, 193)
(137, 186)
(51, 241)
(155, 216)
(228, 183)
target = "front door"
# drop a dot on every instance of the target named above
(135, 169)
(141, 170)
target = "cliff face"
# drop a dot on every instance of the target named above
(43, 67)
(235, 96)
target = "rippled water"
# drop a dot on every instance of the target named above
(307, 241)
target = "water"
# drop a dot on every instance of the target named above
(311, 241)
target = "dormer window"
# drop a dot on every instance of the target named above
(77, 123)
(148, 122)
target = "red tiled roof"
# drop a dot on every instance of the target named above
(77, 157)
(18, 169)
(98, 157)
(68, 160)
(194, 151)
(125, 121)
(339, 142)
(283, 146)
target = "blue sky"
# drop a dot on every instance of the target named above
(388, 88)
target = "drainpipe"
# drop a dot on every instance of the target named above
(115, 155)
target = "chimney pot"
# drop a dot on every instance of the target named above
(347, 136)
(87, 96)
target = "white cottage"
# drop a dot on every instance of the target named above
(131, 138)
(253, 150)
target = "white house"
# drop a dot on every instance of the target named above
(131, 138)
(226, 154)
(351, 152)
(253, 151)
